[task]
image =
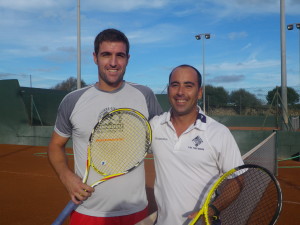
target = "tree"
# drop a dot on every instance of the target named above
(68, 85)
(292, 96)
(243, 99)
(216, 96)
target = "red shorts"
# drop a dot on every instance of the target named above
(81, 219)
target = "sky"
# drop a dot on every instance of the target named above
(38, 41)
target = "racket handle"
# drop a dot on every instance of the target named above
(65, 213)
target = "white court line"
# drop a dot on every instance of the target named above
(297, 203)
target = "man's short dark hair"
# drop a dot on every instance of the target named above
(111, 35)
(185, 65)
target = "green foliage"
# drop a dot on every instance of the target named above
(69, 85)
(292, 96)
(216, 96)
(243, 99)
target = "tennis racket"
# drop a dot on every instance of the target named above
(248, 194)
(117, 145)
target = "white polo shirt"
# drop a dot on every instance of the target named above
(187, 166)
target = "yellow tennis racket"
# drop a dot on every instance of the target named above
(246, 195)
(117, 145)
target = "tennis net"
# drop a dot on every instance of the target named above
(264, 154)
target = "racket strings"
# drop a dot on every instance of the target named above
(260, 209)
(119, 143)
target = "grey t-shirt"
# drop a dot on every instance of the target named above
(77, 115)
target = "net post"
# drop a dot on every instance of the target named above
(276, 152)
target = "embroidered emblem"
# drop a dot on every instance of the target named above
(197, 141)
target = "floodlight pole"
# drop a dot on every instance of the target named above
(78, 47)
(291, 27)
(198, 37)
(283, 65)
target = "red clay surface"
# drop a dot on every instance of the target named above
(32, 194)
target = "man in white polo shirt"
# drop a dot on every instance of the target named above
(190, 150)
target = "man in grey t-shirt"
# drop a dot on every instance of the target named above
(121, 200)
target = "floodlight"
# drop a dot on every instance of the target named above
(198, 37)
(290, 27)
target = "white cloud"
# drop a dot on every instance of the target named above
(32, 5)
(237, 35)
(233, 9)
(227, 79)
(121, 5)
(249, 64)
(157, 33)
(247, 46)
(37, 33)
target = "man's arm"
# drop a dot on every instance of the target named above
(229, 192)
(226, 193)
(58, 159)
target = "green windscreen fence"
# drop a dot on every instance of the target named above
(27, 117)
(12, 111)
(41, 105)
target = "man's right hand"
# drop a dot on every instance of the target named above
(78, 191)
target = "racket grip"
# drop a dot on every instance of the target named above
(65, 213)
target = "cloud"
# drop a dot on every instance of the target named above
(45, 69)
(154, 34)
(243, 65)
(227, 79)
(67, 49)
(13, 76)
(237, 35)
(44, 48)
(41, 34)
(232, 9)
(6, 75)
(32, 5)
(121, 5)
(247, 46)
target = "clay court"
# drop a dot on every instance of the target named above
(32, 194)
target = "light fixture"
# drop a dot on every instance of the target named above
(198, 37)
(291, 27)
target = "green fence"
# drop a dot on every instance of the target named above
(27, 116)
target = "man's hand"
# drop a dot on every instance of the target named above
(59, 161)
(193, 215)
(77, 190)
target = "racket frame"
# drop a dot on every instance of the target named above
(71, 205)
(204, 210)
(107, 177)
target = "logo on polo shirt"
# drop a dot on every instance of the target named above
(197, 142)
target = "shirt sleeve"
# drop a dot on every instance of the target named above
(63, 125)
(153, 105)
